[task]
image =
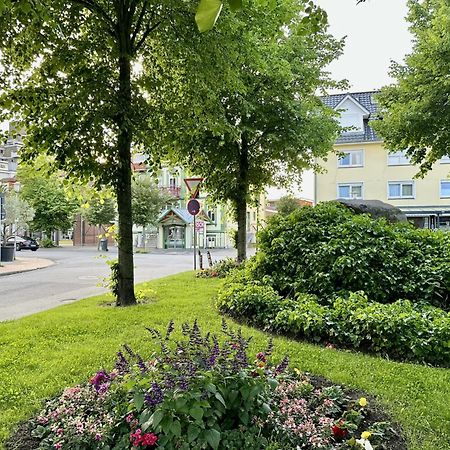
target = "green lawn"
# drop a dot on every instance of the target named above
(43, 353)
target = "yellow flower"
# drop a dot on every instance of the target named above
(366, 435)
(362, 401)
(297, 371)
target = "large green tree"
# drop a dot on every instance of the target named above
(265, 126)
(415, 111)
(72, 74)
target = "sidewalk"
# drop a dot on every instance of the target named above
(24, 265)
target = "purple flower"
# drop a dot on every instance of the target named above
(283, 365)
(122, 364)
(155, 395)
(100, 379)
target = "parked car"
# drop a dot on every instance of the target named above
(23, 243)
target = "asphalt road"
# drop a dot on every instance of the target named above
(78, 273)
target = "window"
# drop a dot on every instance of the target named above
(350, 190)
(445, 189)
(351, 158)
(354, 122)
(445, 159)
(212, 215)
(401, 189)
(398, 159)
(173, 182)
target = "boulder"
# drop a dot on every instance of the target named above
(376, 209)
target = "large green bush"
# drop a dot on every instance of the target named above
(400, 330)
(329, 251)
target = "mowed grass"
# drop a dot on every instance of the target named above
(43, 353)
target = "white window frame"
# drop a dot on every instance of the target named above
(445, 160)
(399, 155)
(353, 183)
(401, 183)
(350, 152)
(440, 188)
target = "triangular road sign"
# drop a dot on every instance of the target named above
(193, 184)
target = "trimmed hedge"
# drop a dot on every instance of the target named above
(401, 330)
(329, 251)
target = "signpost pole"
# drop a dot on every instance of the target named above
(195, 246)
(2, 213)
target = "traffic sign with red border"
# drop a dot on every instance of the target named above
(193, 206)
(193, 185)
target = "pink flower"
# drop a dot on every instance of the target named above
(149, 439)
(58, 445)
(129, 418)
(136, 437)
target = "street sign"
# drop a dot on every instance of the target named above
(193, 184)
(199, 226)
(193, 207)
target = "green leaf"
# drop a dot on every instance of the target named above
(138, 400)
(235, 4)
(196, 413)
(220, 398)
(207, 13)
(157, 417)
(175, 428)
(192, 432)
(213, 438)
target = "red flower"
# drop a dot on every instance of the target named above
(338, 431)
(149, 439)
(146, 440)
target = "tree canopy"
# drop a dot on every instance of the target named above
(264, 125)
(73, 73)
(416, 109)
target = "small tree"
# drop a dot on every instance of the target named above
(44, 192)
(287, 204)
(147, 201)
(100, 211)
(18, 212)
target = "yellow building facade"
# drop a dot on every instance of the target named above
(362, 168)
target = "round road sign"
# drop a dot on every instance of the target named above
(193, 207)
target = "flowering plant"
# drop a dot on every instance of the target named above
(201, 393)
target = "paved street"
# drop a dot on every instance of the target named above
(77, 273)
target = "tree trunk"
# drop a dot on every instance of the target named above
(125, 281)
(241, 202)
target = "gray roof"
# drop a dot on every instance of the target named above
(183, 214)
(367, 101)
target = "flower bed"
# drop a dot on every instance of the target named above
(197, 394)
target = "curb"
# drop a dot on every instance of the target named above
(16, 271)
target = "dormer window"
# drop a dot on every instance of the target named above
(352, 122)
(352, 115)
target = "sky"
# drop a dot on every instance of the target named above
(376, 34)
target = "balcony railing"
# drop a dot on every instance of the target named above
(173, 191)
